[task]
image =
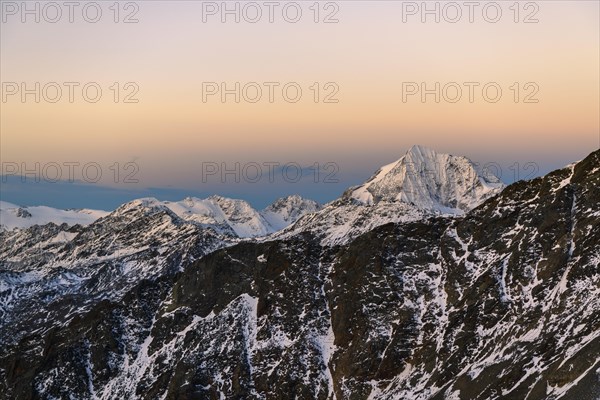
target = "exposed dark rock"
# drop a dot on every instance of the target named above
(499, 304)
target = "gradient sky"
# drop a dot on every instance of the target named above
(369, 54)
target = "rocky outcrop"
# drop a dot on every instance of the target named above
(499, 304)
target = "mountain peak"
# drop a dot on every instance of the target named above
(418, 149)
(144, 205)
(291, 201)
(287, 210)
(429, 181)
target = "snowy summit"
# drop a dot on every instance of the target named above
(430, 181)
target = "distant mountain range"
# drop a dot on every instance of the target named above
(429, 281)
(422, 181)
(236, 217)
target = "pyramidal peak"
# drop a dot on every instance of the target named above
(429, 181)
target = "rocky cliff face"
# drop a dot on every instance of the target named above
(501, 303)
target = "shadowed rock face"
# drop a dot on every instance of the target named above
(502, 303)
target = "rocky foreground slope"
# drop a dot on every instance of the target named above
(501, 303)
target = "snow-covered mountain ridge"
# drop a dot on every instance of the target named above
(497, 304)
(420, 184)
(229, 216)
(13, 216)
